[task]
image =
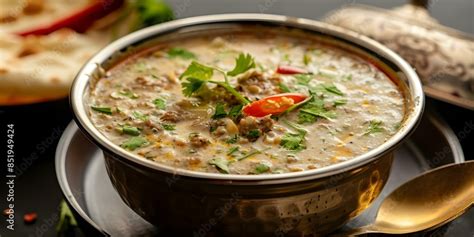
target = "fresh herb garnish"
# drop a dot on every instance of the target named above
(168, 127)
(314, 109)
(303, 79)
(253, 134)
(197, 75)
(284, 88)
(347, 77)
(133, 131)
(254, 152)
(221, 164)
(294, 141)
(181, 53)
(160, 103)
(232, 150)
(140, 116)
(242, 64)
(105, 110)
(66, 219)
(375, 126)
(333, 89)
(262, 168)
(219, 111)
(235, 111)
(134, 143)
(340, 102)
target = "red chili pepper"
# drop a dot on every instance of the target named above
(289, 70)
(30, 218)
(80, 20)
(275, 104)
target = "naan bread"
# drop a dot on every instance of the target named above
(44, 66)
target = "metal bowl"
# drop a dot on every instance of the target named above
(292, 204)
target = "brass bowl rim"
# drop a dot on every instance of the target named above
(81, 81)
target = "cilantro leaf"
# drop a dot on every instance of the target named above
(191, 86)
(160, 103)
(104, 110)
(219, 111)
(262, 168)
(314, 109)
(303, 79)
(221, 164)
(168, 127)
(181, 53)
(232, 150)
(333, 89)
(198, 71)
(139, 116)
(133, 131)
(340, 102)
(374, 127)
(253, 134)
(235, 111)
(242, 64)
(284, 88)
(134, 143)
(293, 141)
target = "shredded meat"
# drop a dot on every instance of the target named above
(197, 140)
(252, 128)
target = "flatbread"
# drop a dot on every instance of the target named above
(39, 68)
(44, 66)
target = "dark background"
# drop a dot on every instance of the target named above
(38, 127)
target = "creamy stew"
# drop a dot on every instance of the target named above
(246, 103)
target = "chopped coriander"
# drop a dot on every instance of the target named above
(198, 71)
(235, 111)
(191, 86)
(140, 116)
(221, 164)
(333, 89)
(197, 74)
(233, 139)
(133, 131)
(251, 154)
(168, 127)
(160, 103)
(293, 141)
(105, 110)
(232, 150)
(340, 102)
(242, 64)
(303, 79)
(262, 168)
(181, 53)
(219, 111)
(284, 88)
(314, 109)
(134, 143)
(374, 127)
(254, 133)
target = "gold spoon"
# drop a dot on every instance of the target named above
(425, 202)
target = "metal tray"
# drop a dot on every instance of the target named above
(83, 179)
